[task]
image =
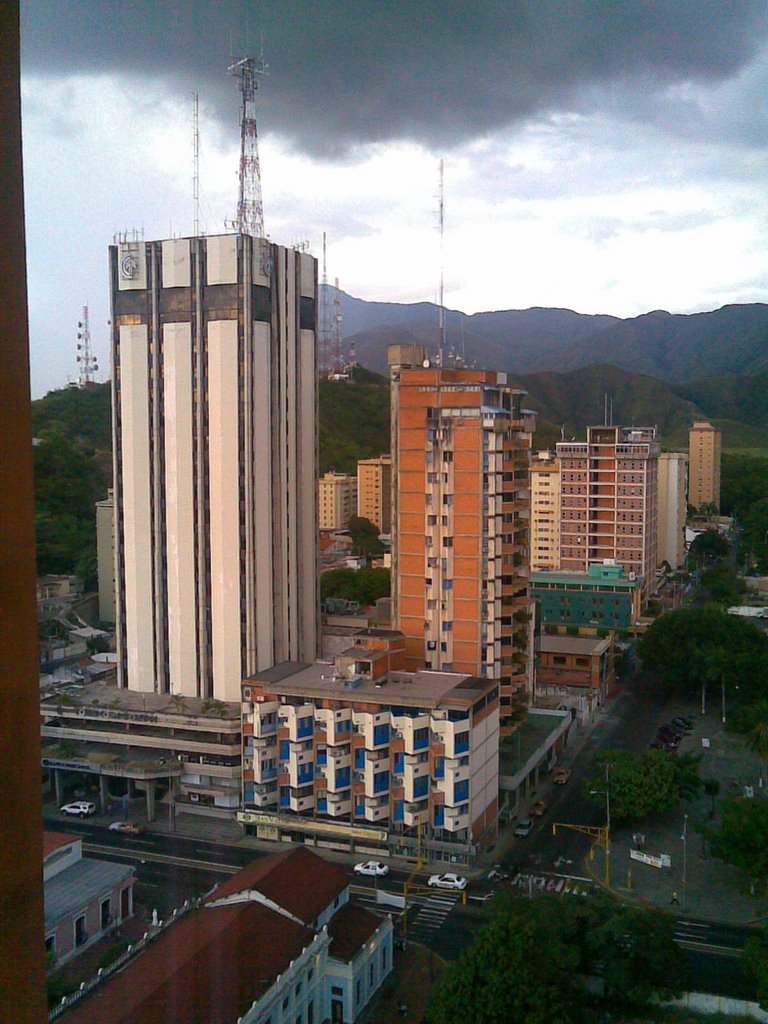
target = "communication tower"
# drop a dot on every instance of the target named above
(250, 211)
(326, 359)
(87, 363)
(338, 341)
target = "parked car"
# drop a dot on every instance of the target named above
(539, 809)
(132, 828)
(524, 827)
(449, 881)
(79, 809)
(371, 867)
(683, 723)
(561, 776)
(667, 733)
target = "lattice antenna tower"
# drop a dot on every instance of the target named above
(250, 211)
(326, 358)
(441, 306)
(338, 341)
(86, 360)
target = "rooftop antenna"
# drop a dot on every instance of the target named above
(88, 364)
(250, 210)
(196, 162)
(325, 321)
(441, 307)
(338, 342)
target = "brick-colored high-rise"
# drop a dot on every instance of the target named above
(374, 491)
(609, 500)
(704, 444)
(460, 520)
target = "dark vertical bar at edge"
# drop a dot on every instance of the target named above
(22, 970)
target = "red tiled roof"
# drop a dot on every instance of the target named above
(350, 928)
(297, 880)
(207, 968)
(54, 840)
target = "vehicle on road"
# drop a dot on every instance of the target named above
(668, 735)
(561, 776)
(79, 809)
(683, 723)
(524, 827)
(132, 828)
(448, 881)
(539, 809)
(371, 867)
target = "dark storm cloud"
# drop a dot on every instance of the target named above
(438, 72)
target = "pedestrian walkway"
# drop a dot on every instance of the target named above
(552, 885)
(430, 916)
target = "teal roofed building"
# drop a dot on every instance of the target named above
(604, 596)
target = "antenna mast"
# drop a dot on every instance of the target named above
(196, 163)
(441, 307)
(250, 211)
(88, 364)
(338, 343)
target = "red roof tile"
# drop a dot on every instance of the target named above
(54, 840)
(297, 880)
(349, 930)
(207, 968)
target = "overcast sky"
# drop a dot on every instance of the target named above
(608, 156)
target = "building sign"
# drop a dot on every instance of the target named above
(131, 266)
(77, 766)
(307, 825)
(115, 715)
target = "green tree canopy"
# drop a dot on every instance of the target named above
(709, 546)
(691, 646)
(724, 584)
(363, 585)
(755, 525)
(639, 785)
(365, 535)
(742, 837)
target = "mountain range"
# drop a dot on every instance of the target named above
(676, 347)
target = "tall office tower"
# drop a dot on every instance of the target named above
(105, 556)
(374, 491)
(609, 501)
(337, 500)
(673, 481)
(704, 444)
(545, 511)
(215, 441)
(460, 520)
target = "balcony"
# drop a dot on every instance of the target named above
(455, 819)
(337, 807)
(416, 813)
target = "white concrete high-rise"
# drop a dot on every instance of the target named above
(673, 486)
(215, 442)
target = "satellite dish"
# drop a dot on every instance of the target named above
(425, 364)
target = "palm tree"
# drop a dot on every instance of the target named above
(757, 737)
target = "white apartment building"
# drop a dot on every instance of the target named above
(673, 488)
(337, 500)
(545, 512)
(215, 447)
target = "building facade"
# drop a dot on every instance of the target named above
(575, 668)
(461, 444)
(609, 501)
(704, 449)
(84, 899)
(673, 509)
(603, 596)
(105, 556)
(364, 755)
(545, 512)
(337, 500)
(215, 442)
(374, 491)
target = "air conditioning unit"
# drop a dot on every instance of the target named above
(194, 798)
(246, 693)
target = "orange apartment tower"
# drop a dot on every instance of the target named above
(609, 501)
(461, 448)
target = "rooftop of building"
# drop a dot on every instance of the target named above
(349, 929)
(99, 755)
(533, 733)
(596, 576)
(107, 700)
(53, 841)
(403, 689)
(75, 887)
(559, 643)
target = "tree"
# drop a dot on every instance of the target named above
(363, 585)
(755, 524)
(687, 775)
(639, 785)
(742, 837)
(709, 546)
(757, 737)
(724, 584)
(712, 788)
(365, 535)
(755, 964)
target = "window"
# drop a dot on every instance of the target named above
(106, 917)
(337, 990)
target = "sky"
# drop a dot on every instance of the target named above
(607, 156)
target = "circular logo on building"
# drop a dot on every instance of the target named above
(129, 266)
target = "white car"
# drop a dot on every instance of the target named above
(131, 827)
(449, 881)
(371, 867)
(79, 809)
(524, 828)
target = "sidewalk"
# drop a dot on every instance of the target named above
(415, 972)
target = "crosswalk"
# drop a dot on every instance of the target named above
(430, 916)
(553, 885)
